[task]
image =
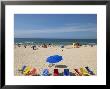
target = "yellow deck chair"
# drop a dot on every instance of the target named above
(84, 72)
(27, 70)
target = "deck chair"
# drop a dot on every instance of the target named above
(56, 73)
(89, 71)
(66, 72)
(27, 70)
(45, 72)
(77, 71)
(33, 71)
(21, 68)
(84, 72)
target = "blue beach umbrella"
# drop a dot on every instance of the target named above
(54, 59)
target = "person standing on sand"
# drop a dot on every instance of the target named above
(24, 46)
(34, 47)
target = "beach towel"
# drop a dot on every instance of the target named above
(89, 71)
(77, 71)
(27, 70)
(56, 73)
(66, 72)
(84, 72)
(45, 72)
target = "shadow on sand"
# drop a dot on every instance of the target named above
(61, 66)
(71, 74)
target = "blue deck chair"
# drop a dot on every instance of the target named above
(45, 72)
(23, 67)
(66, 72)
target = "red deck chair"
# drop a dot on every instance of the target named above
(56, 73)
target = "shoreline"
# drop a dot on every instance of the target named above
(53, 41)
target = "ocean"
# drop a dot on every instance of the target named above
(38, 41)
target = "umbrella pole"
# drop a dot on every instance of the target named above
(50, 65)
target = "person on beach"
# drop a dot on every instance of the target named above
(19, 45)
(49, 45)
(34, 47)
(24, 46)
(44, 46)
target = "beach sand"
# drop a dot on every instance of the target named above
(72, 58)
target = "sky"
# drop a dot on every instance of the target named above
(63, 26)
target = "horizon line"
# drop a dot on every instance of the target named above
(58, 38)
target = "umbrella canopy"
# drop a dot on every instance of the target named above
(54, 59)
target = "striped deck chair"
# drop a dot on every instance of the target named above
(84, 72)
(78, 72)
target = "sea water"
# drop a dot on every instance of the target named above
(40, 41)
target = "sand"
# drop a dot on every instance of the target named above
(72, 58)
